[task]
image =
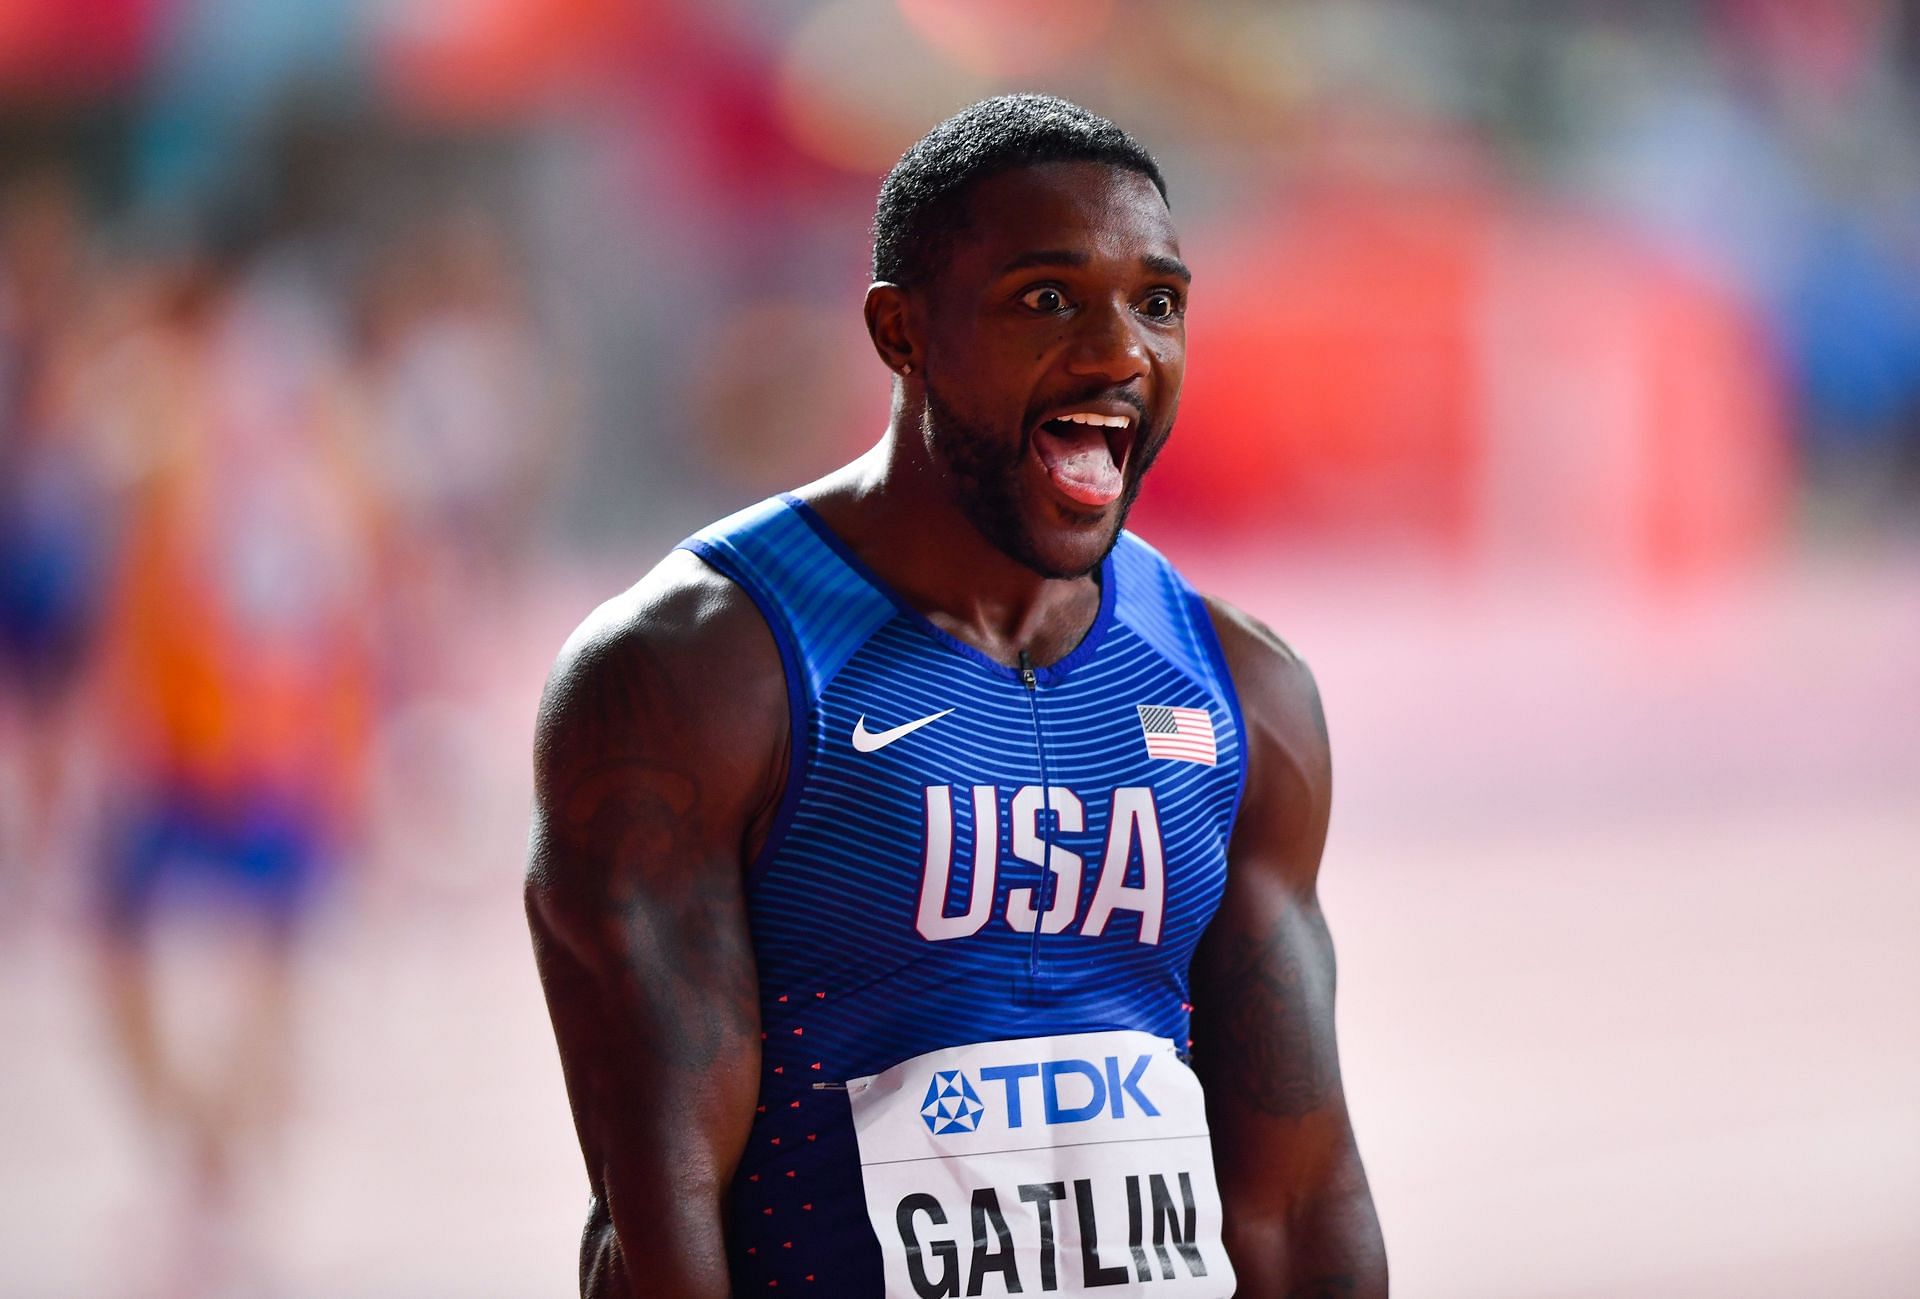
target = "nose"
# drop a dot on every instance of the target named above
(1108, 344)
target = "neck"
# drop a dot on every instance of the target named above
(894, 509)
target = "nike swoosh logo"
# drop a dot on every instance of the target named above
(868, 741)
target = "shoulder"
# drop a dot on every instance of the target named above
(1276, 687)
(1289, 765)
(680, 668)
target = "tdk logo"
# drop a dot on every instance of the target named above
(951, 1105)
(1067, 1091)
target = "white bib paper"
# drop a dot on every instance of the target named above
(1074, 1165)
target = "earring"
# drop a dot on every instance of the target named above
(906, 367)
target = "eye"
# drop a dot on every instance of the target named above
(1045, 299)
(1161, 304)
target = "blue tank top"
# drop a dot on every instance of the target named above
(964, 852)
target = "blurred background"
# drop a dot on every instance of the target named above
(1554, 388)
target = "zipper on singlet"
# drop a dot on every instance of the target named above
(1043, 891)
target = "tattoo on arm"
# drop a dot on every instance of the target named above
(675, 922)
(1268, 1023)
(635, 896)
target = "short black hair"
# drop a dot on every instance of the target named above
(923, 199)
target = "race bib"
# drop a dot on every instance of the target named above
(1074, 1165)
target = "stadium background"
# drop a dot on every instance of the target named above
(1555, 389)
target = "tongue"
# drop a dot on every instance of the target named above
(1079, 462)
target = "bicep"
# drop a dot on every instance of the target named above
(640, 931)
(1264, 1045)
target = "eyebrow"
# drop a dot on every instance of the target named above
(1158, 263)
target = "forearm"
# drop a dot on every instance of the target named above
(1338, 1250)
(661, 1151)
(662, 1105)
(640, 1257)
(1327, 1247)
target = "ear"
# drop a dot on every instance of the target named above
(890, 326)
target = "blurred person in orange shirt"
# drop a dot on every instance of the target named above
(240, 687)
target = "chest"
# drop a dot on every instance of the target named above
(947, 803)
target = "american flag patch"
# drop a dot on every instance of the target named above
(1178, 734)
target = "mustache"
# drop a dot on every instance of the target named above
(1126, 396)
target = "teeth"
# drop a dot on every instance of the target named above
(1098, 421)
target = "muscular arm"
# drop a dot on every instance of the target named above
(660, 750)
(1300, 1220)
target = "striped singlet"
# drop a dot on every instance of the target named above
(969, 853)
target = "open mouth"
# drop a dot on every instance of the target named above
(1085, 453)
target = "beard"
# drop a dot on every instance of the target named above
(984, 474)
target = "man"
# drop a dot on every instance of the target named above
(881, 827)
(239, 686)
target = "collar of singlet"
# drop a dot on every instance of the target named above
(1052, 674)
